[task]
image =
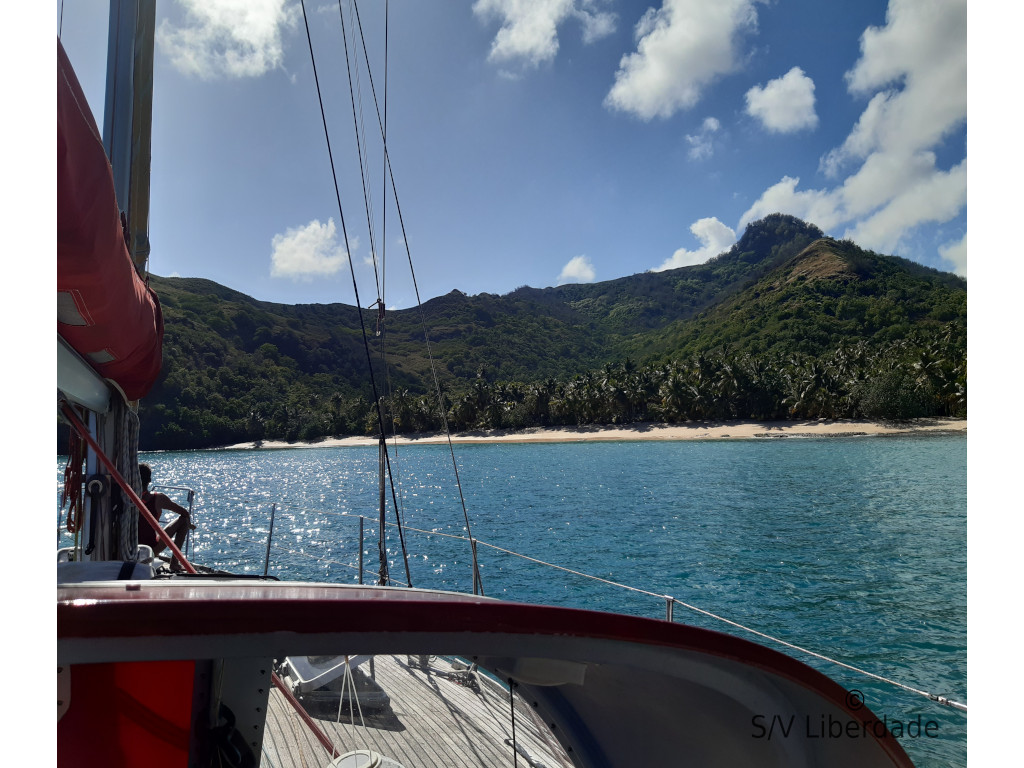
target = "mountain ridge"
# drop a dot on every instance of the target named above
(238, 368)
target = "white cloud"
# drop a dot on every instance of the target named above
(578, 270)
(596, 24)
(936, 197)
(815, 206)
(304, 252)
(955, 252)
(228, 38)
(701, 147)
(922, 48)
(681, 48)
(861, 139)
(529, 28)
(917, 63)
(786, 104)
(714, 237)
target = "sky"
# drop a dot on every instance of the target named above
(539, 143)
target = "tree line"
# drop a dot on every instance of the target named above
(906, 379)
(785, 325)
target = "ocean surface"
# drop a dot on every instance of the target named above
(855, 548)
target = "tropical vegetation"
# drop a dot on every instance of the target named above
(787, 324)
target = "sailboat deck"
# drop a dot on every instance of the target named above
(434, 719)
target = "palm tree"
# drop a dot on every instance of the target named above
(809, 392)
(637, 392)
(614, 404)
(675, 397)
(538, 401)
(728, 389)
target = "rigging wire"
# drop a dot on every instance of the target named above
(934, 697)
(477, 581)
(383, 127)
(360, 132)
(384, 142)
(344, 232)
(398, 499)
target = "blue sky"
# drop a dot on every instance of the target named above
(537, 143)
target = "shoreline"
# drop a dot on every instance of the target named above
(710, 430)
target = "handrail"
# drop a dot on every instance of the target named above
(669, 600)
(191, 492)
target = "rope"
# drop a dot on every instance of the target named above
(348, 682)
(127, 452)
(267, 757)
(168, 541)
(934, 697)
(294, 552)
(72, 493)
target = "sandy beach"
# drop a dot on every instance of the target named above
(743, 430)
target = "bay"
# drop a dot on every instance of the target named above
(854, 548)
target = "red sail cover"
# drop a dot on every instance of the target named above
(104, 309)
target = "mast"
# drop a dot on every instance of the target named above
(128, 116)
(110, 520)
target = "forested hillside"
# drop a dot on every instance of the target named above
(786, 324)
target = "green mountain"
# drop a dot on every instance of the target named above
(784, 297)
(829, 293)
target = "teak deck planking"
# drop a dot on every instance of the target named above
(433, 720)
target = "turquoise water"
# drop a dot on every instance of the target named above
(851, 547)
